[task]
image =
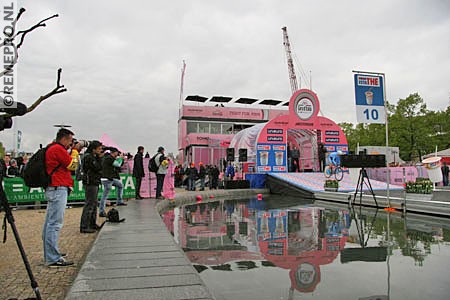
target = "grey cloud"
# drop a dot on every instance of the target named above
(121, 60)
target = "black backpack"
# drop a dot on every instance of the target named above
(35, 173)
(152, 166)
(113, 216)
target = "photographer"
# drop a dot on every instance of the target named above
(92, 172)
(111, 168)
(59, 163)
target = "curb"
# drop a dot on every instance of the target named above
(207, 196)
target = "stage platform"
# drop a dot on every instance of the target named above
(314, 182)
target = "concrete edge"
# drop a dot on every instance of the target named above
(207, 196)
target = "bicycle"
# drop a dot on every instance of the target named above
(336, 170)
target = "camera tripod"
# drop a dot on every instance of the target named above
(363, 179)
(10, 218)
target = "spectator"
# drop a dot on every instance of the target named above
(229, 173)
(192, 175)
(179, 172)
(295, 155)
(92, 172)
(214, 177)
(162, 163)
(12, 170)
(147, 155)
(138, 170)
(7, 159)
(3, 168)
(445, 171)
(322, 153)
(111, 177)
(202, 176)
(59, 163)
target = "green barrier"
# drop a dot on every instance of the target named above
(18, 192)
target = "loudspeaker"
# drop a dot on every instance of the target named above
(230, 154)
(243, 154)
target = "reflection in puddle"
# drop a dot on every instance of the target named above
(239, 245)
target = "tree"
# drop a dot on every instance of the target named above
(412, 128)
(409, 128)
(15, 39)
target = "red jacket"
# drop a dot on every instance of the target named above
(57, 155)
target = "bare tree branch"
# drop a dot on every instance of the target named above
(8, 42)
(57, 90)
(25, 32)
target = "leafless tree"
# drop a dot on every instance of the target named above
(16, 39)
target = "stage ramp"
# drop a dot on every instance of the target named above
(309, 184)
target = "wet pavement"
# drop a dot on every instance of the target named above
(137, 259)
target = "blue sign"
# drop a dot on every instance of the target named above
(271, 158)
(369, 95)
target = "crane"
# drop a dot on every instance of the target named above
(287, 47)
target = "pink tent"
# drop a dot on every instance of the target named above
(107, 141)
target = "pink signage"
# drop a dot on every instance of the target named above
(302, 129)
(225, 112)
(304, 107)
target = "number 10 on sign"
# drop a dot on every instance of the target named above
(370, 114)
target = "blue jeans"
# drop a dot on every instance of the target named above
(202, 183)
(56, 204)
(107, 184)
(191, 184)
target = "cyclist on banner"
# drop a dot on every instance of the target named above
(334, 159)
(334, 166)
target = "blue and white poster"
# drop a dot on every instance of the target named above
(271, 158)
(369, 95)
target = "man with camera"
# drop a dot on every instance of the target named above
(111, 169)
(92, 173)
(59, 164)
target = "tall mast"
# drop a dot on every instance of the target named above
(180, 105)
(287, 47)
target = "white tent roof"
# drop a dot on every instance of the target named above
(442, 153)
(246, 138)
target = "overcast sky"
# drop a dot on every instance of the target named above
(122, 60)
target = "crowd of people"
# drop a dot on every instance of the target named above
(13, 167)
(97, 165)
(191, 176)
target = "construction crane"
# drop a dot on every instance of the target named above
(287, 47)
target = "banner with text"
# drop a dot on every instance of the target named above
(369, 95)
(18, 192)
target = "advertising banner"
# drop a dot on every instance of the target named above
(18, 192)
(271, 158)
(369, 96)
(272, 225)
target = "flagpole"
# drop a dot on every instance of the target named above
(388, 179)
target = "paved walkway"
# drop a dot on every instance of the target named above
(137, 259)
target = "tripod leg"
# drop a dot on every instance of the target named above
(10, 218)
(369, 185)
(357, 189)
